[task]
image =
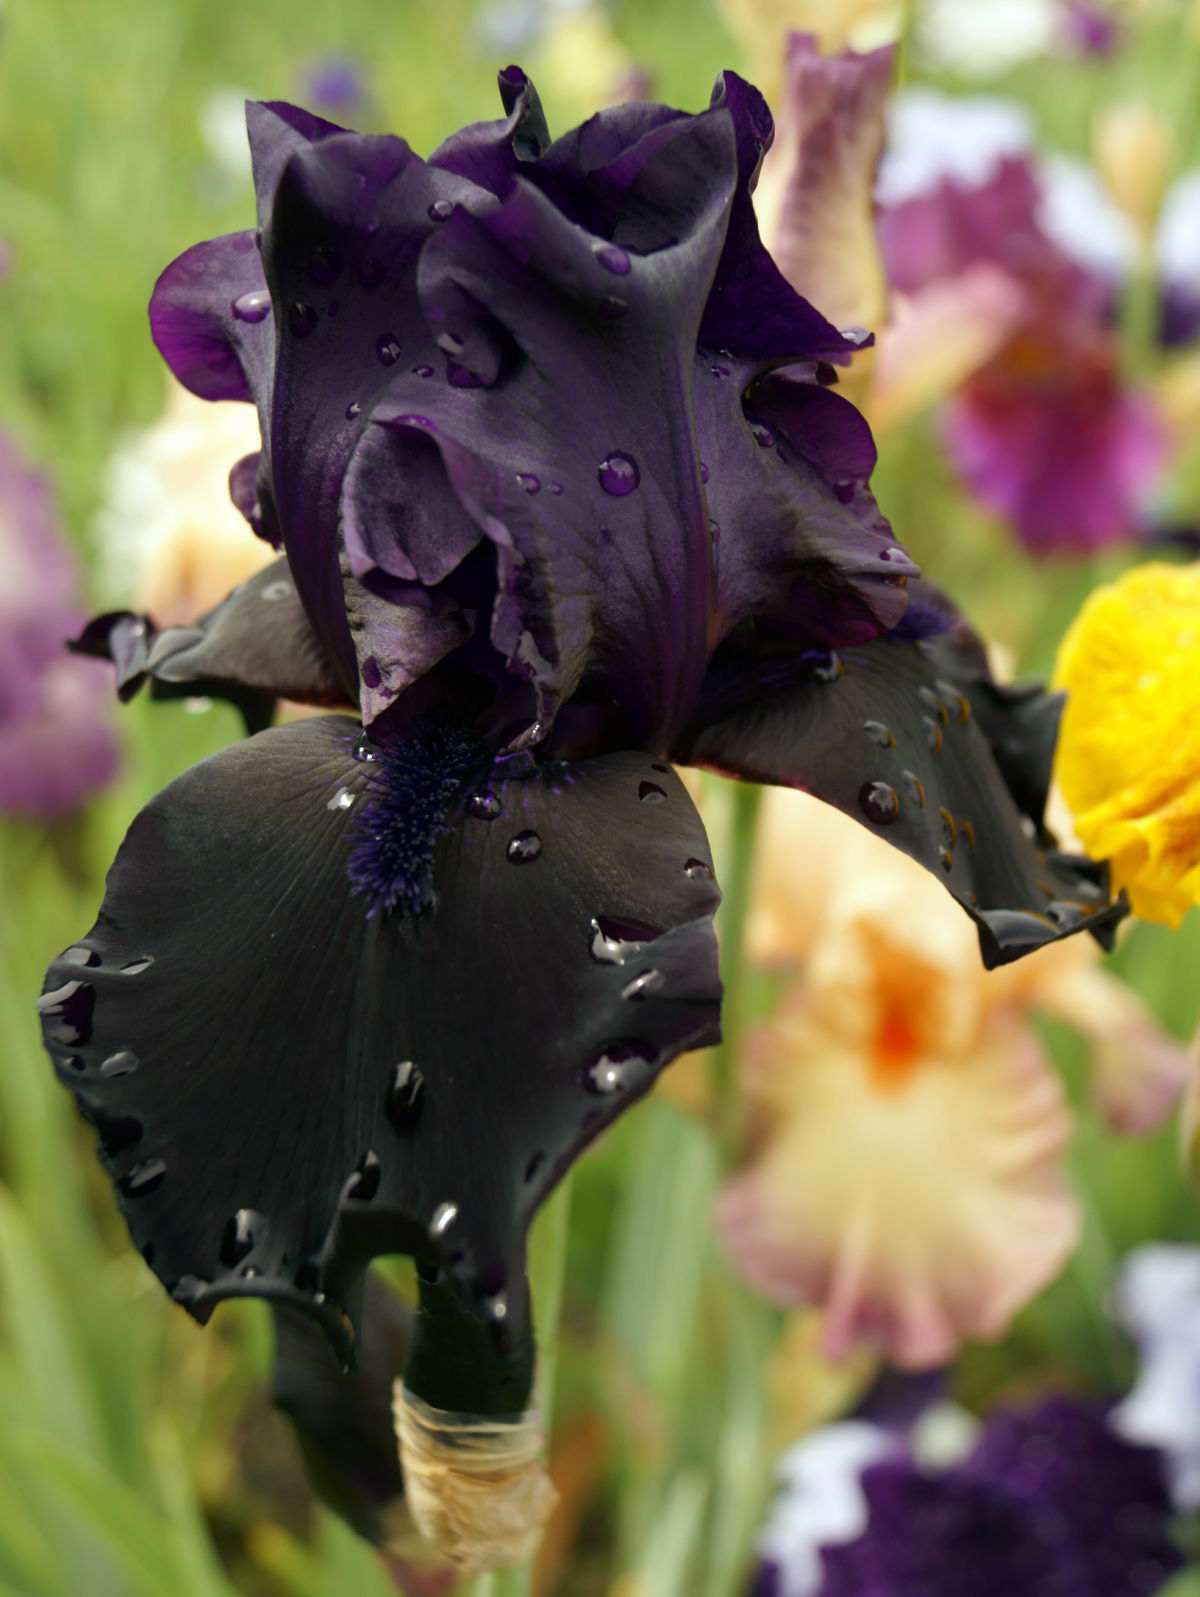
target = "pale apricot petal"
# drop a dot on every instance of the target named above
(937, 337)
(916, 1216)
(815, 200)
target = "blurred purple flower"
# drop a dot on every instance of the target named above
(1088, 29)
(1158, 1302)
(1048, 1503)
(56, 741)
(335, 85)
(1046, 433)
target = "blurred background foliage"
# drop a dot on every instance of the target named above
(138, 1455)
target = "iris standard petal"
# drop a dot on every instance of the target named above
(210, 315)
(288, 1076)
(878, 731)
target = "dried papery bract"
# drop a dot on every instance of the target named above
(476, 1485)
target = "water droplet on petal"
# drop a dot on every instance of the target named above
(371, 674)
(555, 487)
(529, 482)
(931, 702)
(496, 1307)
(650, 981)
(302, 318)
(123, 1063)
(824, 664)
(353, 409)
(956, 700)
(612, 941)
(698, 870)
(444, 1217)
(237, 1239)
(365, 752)
(915, 786)
(252, 307)
(933, 732)
(621, 1065)
(422, 370)
(485, 805)
(144, 1178)
(341, 800)
(364, 1183)
(387, 347)
(879, 802)
(67, 1012)
(880, 734)
(718, 370)
(441, 210)
(80, 954)
(275, 591)
(966, 830)
(618, 474)
(613, 307)
(524, 848)
(651, 793)
(946, 858)
(764, 436)
(613, 259)
(405, 1093)
(949, 829)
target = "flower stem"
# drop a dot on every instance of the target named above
(737, 880)
(547, 1273)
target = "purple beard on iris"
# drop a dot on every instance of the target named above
(552, 518)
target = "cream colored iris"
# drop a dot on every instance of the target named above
(905, 1172)
(1129, 751)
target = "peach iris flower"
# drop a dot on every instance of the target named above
(905, 1167)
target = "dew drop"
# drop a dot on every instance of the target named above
(123, 1063)
(555, 487)
(485, 805)
(364, 751)
(237, 1239)
(880, 734)
(931, 702)
(461, 376)
(613, 259)
(915, 786)
(353, 409)
(411, 419)
(966, 830)
(444, 1217)
(719, 371)
(343, 799)
(621, 1065)
(651, 793)
(949, 829)
(613, 307)
(75, 1062)
(496, 1307)
(422, 370)
(933, 732)
(80, 954)
(405, 1095)
(441, 210)
(879, 802)
(892, 553)
(364, 1183)
(764, 437)
(946, 858)
(302, 318)
(274, 591)
(823, 664)
(954, 698)
(618, 474)
(67, 1012)
(324, 265)
(612, 941)
(144, 1178)
(371, 674)
(529, 482)
(387, 348)
(252, 307)
(698, 870)
(524, 848)
(650, 981)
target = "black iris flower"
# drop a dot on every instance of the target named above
(565, 495)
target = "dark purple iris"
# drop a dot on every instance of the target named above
(553, 515)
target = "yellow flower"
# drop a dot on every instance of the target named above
(1129, 750)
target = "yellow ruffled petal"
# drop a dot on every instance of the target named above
(1129, 751)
